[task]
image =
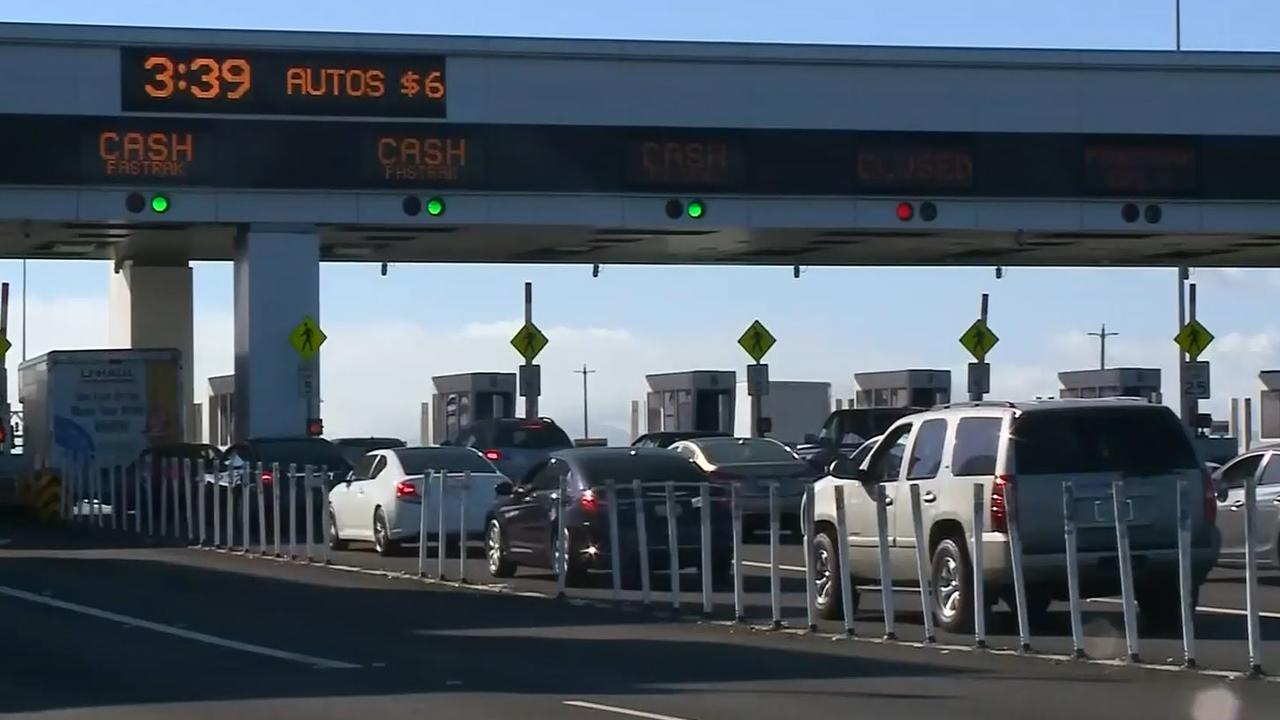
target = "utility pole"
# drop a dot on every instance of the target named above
(1102, 353)
(584, 372)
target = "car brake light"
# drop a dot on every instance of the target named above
(531, 426)
(267, 478)
(588, 500)
(999, 506)
(406, 489)
(492, 455)
(1210, 499)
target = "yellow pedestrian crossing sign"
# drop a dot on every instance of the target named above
(757, 341)
(1193, 338)
(529, 341)
(978, 340)
(307, 338)
(4, 345)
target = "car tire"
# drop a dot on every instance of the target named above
(335, 541)
(495, 550)
(575, 575)
(382, 542)
(826, 568)
(952, 576)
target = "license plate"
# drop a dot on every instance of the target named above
(661, 510)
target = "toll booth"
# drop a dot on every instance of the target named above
(698, 400)
(914, 388)
(464, 398)
(221, 410)
(1269, 405)
(1111, 382)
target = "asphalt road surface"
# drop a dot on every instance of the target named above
(103, 626)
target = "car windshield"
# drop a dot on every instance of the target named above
(318, 453)
(417, 461)
(624, 467)
(733, 451)
(1133, 440)
(531, 436)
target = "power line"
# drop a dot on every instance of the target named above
(1102, 351)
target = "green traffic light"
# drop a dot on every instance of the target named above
(435, 207)
(159, 204)
(696, 209)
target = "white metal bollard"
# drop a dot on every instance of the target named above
(462, 526)
(1071, 539)
(293, 510)
(309, 474)
(1015, 563)
(886, 575)
(923, 570)
(775, 580)
(708, 572)
(177, 497)
(615, 546)
(117, 498)
(1251, 563)
(275, 506)
(200, 493)
(246, 488)
(806, 534)
(324, 519)
(673, 545)
(1185, 503)
(1121, 518)
(642, 541)
(440, 535)
(137, 500)
(735, 512)
(977, 552)
(186, 492)
(845, 574)
(231, 511)
(164, 499)
(215, 487)
(561, 542)
(260, 492)
(422, 525)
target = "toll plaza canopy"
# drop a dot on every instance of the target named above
(165, 144)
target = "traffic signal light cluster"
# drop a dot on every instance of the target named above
(692, 209)
(906, 212)
(414, 206)
(136, 203)
(1151, 213)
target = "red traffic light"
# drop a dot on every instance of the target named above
(315, 427)
(905, 211)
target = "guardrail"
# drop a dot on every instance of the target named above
(234, 511)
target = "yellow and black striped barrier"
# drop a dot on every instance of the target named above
(45, 498)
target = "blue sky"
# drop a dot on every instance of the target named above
(830, 322)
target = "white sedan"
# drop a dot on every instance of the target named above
(381, 500)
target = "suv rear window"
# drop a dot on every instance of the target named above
(1137, 440)
(531, 436)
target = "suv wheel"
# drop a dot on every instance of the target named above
(500, 566)
(952, 577)
(826, 572)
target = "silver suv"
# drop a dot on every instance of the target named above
(1030, 449)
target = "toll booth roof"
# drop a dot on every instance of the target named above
(1110, 377)
(908, 378)
(692, 380)
(475, 382)
(222, 385)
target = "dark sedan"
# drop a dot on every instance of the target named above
(521, 527)
(752, 464)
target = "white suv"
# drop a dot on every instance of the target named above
(1030, 449)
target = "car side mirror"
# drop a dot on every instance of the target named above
(504, 488)
(844, 468)
(810, 439)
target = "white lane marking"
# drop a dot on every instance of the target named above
(619, 710)
(1202, 608)
(178, 632)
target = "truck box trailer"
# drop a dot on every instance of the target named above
(86, 409)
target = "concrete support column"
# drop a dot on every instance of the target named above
(277, 284)
(150, 306)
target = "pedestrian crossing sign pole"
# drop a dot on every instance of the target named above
(757, 341)
(306, 338)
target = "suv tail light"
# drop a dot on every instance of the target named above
(999, 503)
(493, 455)
(588, 500)
(1210, 499)
(406, 489)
